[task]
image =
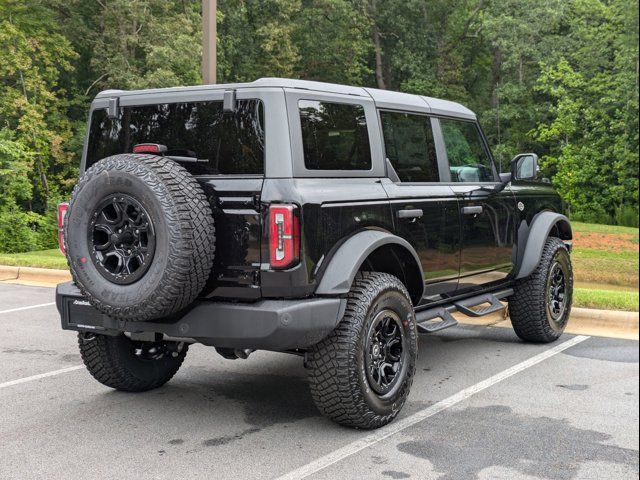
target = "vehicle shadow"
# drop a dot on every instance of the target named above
(271, 388)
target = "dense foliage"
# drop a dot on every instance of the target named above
(552, 76)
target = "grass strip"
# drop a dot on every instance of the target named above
(605, 299)
(42, 259)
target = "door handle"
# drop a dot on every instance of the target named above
(417, 213)
(475, 210)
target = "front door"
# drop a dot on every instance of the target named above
(425, 212)
(486, 208)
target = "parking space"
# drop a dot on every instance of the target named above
(483, 405)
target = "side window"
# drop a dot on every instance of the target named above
(468, 157)
(409, 145)
(334, 136)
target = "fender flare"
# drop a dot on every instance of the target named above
(535, 238)
(349, 257)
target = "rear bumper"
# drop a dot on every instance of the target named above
(266, 324)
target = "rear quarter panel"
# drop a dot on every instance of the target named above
(332, 209)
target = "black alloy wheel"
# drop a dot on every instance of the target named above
(121, 239)
(556, 291)
(385, 352)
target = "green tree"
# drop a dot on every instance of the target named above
(589, 123)
(333, 39)
(34, 128)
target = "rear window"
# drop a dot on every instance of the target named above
(334, 136)
(223, 143)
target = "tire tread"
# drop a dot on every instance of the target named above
(334, 383)
(527, 307)
(191, 250)
(106, 364)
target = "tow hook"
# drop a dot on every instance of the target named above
(234, 353)
(157, 350)
(174, 348)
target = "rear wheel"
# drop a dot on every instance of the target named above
(541, 303)
(361, 374)
(124, 364)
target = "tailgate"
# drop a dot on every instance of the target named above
(236, 210)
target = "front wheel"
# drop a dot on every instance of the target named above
(361, 374)
(541, 303)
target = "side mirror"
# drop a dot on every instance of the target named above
(525, 167)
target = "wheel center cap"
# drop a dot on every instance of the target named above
(126, 239)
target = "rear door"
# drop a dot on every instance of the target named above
(486, 211)
(425, 211)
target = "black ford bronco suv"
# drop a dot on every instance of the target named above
(328, 221)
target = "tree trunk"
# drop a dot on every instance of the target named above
(377, 42)
(495, 94)
(379, 66)
(520, 72)
(496, 76)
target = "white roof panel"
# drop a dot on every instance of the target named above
(398, 100)
(382, 98)
(449, 108)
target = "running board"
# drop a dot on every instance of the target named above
(439, 318)
(435, 319)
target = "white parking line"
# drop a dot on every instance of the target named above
(39, 376)
(400, 425)
(27, 308)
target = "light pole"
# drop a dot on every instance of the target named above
(209, 8)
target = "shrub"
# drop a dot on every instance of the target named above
(26, 231)
(627, 216)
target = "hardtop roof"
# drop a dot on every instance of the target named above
(382, 98)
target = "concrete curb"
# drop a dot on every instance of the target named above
(618, 316)
(607, 318)
(604, 323)
(583, 321)
(31, 275)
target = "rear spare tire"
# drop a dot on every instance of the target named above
(139, 236)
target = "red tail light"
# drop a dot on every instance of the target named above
(62, 214)
(284, 236)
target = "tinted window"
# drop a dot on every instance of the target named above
(225, 143)
(408, 142)
(468, 158)
(334, 136)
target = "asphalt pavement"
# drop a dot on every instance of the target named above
(484, 405)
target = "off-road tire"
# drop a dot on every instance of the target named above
(112, 361)
(184, 236)
(528, 305)
(337, 373)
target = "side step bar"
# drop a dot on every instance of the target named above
(439, 318)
